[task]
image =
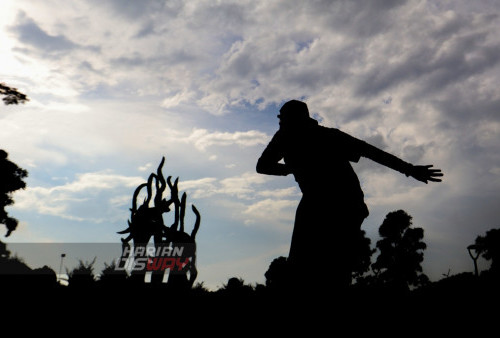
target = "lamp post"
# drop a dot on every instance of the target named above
(60, 267)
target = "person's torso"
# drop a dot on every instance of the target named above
(320, 163)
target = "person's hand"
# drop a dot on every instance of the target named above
(424, 173)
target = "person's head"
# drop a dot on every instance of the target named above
(293, 113)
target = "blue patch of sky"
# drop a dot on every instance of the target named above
(303, 45)
(255, 83)
(49, 175)
(251, 114)
(228, 38)
(147, 29)
(317, 117)
(243, 117)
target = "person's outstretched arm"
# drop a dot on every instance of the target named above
(268, 162)
(422, 173)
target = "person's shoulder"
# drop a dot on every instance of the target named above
(327, 130)
(336, 131)
(337, 134)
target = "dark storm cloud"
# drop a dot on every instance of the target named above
(466, 106)
(87, 66)
(452, 53)
(385, 76)
(132, 9)
(28, 32)
(356, 114)
(359, 19)
(147, 29)
(469, 56)
(413, 154)
(136, 60)
(132, 61)
(377, 140)
(228, 15)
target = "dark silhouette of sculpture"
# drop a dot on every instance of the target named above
(12, 95)
(332, 208)
(11, 179)
(146, 222)
(401, 252)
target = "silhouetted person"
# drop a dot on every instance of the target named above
(332, 208)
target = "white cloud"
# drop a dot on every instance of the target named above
(280, 193)
(177, 99)
(243, 186)
(200, 188)
(145, 167)
(202, 138)
(247, 186)
(271, 211)
(71, 200)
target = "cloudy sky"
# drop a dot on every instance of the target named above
(117, 84)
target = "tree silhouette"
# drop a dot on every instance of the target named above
(11, 179)
(110, 276)
(12, 95)
(278, 274)
(401, 252)
(11, 265)
(489, 248)
(15, 274)
(199, 288)
(236, 287)
(361, 255)
(82, 275)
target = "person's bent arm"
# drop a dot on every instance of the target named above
(272, 168)
(268, 162)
